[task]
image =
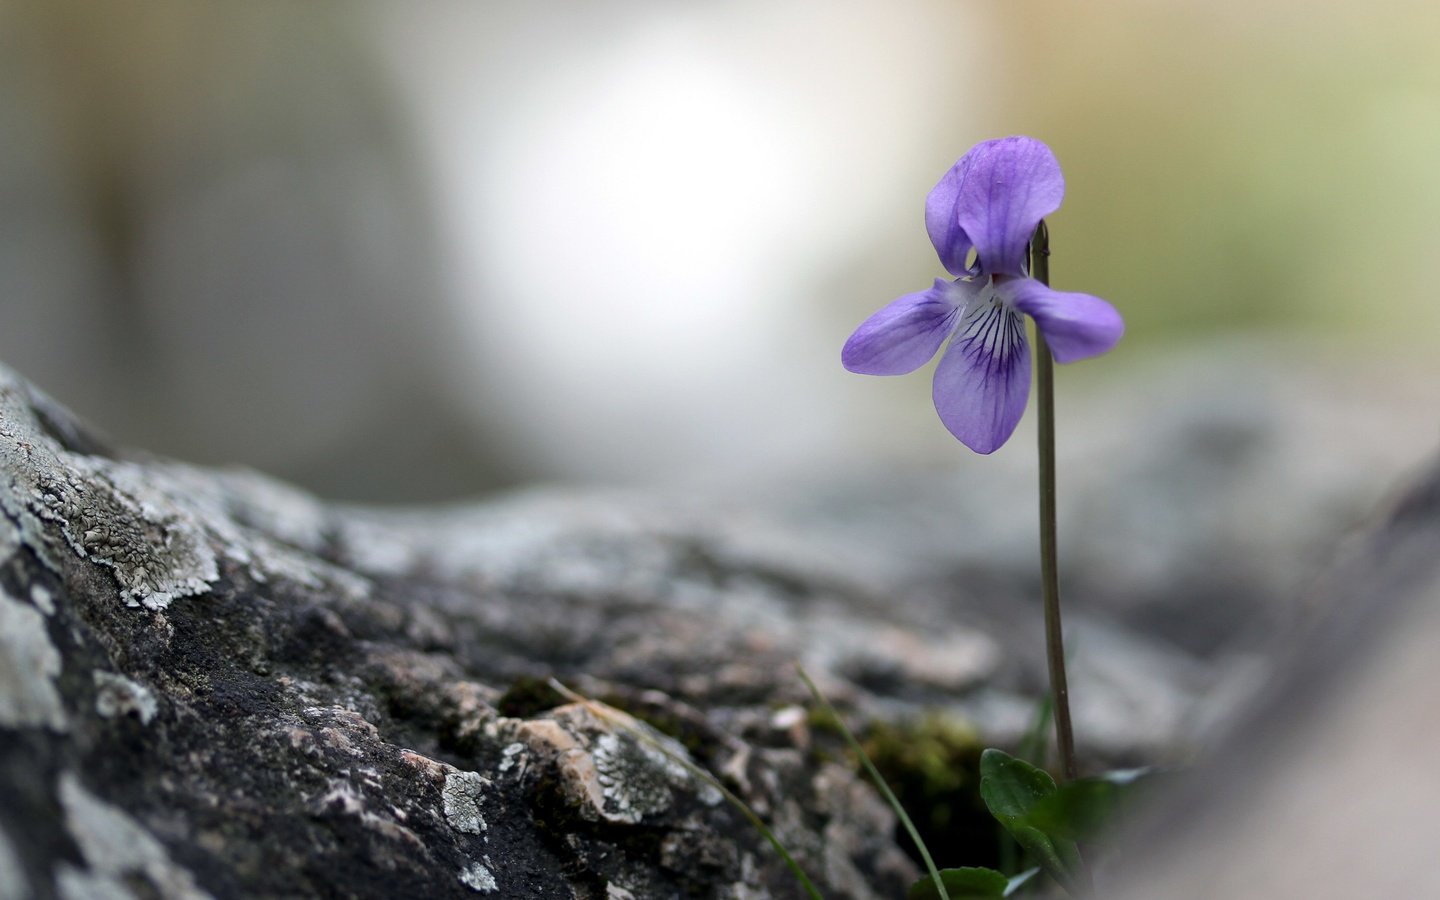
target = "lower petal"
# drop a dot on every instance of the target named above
(983, 380)
(1075, 326)
(904, 335)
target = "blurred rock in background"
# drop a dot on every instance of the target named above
(1320, 788)
(216, 236)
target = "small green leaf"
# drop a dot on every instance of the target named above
(1058, 857)
(1032, 749)
(1011, 788)
(969, 883)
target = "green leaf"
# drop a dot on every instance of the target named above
(1082, 809)
(969, 883)
(1077, 811)
(1032, 749)
(1011, 788)
(1058, 857)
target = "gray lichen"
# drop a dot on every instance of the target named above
(42, 598)
(29, 665)
(478, 878)
(161, 528)
(461, 795)
(63, 499)
(116, 849)
(634, 780)
(117, 695)
(611, 774)
(512, 754)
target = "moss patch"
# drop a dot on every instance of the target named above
(933, 766)
(528, 697)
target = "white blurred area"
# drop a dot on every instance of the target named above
(411, 251)
(645, 227)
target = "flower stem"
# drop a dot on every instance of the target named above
(1049, 561)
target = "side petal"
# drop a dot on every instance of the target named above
(902, 336)
(1076, 326)
(1004, 188)
(942, 222)
(983, 380)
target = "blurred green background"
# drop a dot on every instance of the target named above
(1266, 164)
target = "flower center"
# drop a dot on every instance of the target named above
(992, 295)
(990, 327)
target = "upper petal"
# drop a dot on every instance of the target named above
(943, 223)
(1076, 326)
(1001, 190)
(983, 380)
(903, 335)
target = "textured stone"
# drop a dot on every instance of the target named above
(214, 686)
(265, 695)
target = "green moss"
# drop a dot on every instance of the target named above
(933, 766)
(673, 726)
(527, 697)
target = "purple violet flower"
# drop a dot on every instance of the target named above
(990, 202)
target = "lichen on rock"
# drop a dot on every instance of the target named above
(609, 773)
(116, 695)
(462, 796)
(478, 878)
(161, 528)
(29, 665)
(116, 849)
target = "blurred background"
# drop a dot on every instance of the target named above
(418, 251)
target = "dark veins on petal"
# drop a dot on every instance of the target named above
(995, 333)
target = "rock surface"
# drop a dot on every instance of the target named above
(213, 685)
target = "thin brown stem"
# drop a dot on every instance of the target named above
(1049, 559)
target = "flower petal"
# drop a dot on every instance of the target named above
(983, 380)
(902, 337)
(1003, 188)
(943, 223)
(1076, 326)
